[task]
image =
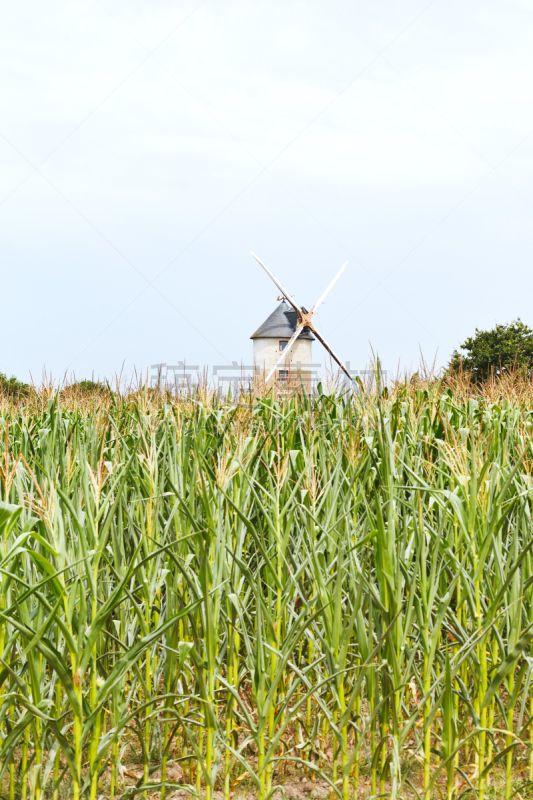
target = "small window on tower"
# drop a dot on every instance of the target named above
(283, 344)
(284, 374)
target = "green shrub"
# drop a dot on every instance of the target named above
(88, 386)
(504, 349)
(13, 387)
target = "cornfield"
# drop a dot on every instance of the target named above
(226, 594)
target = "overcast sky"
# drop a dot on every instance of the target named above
(147, 147)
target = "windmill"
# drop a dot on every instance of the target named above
(302, 325)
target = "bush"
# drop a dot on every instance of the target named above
(87, 386)
(13, 387)
(504, 349)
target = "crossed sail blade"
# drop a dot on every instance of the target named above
(330, 287)
(330, 351)
(283, 291)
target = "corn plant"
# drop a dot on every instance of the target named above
(221, 593)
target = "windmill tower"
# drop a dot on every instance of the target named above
(271, 340)
(284, 342)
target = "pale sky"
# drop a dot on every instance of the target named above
(147, 148)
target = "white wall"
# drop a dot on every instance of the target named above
(267, 352)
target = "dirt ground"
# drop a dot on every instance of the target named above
(303, 788)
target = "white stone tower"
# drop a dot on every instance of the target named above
(273, 336)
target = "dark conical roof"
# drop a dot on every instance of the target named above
(281, 324)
